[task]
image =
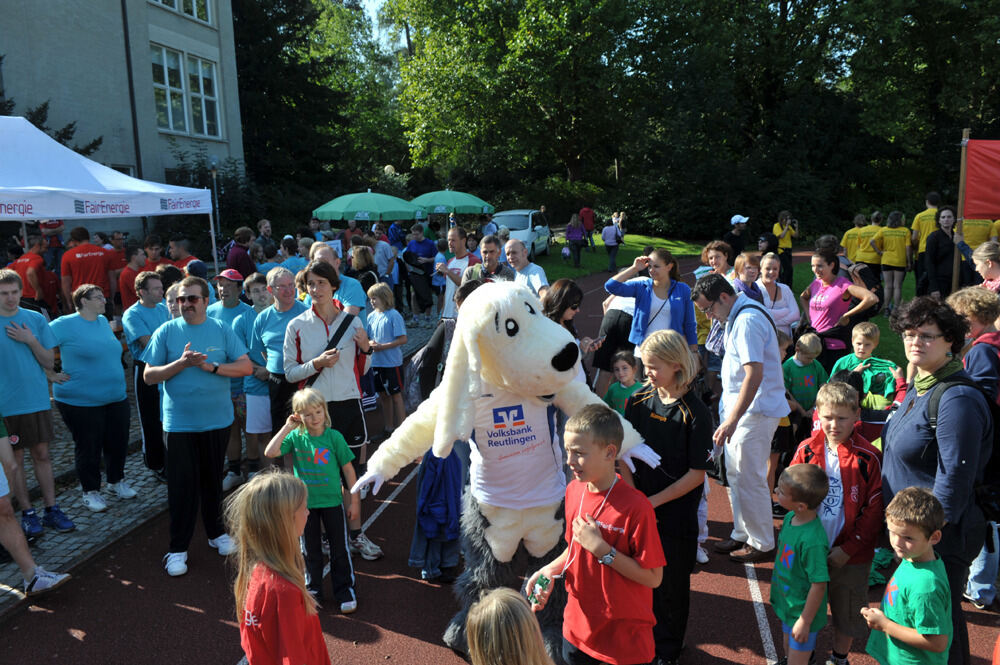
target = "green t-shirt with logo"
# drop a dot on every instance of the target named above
(803, 382)
(618, 394)
(800, 562)
(318, 460)
(917, 596)
(877, 378)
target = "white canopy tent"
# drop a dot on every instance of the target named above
(42, 179)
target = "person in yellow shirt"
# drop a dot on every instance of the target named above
(892, 244)
(923, 225)
(850, 240)
(995, 230)
(866, 253)
(786, 228)
(976, 231)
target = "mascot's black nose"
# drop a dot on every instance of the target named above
(566, 358)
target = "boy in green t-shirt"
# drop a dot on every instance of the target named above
(914, 624)
(623, 366)
(876, 374)
(798, 584)
(804, 376)
(320, 456)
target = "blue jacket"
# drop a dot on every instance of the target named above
(951, 463)
(681, 307)
(439, 497)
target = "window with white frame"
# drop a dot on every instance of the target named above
(204, 101)
(194, 8)
(185, 92)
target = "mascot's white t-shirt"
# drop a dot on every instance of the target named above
(515, 462)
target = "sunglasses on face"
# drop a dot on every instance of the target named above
(189, 299)
(575, 306)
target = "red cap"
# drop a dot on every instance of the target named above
(229, 273)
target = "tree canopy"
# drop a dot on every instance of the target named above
(682, 112)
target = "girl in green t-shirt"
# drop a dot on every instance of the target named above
(320, 456)
(623, 366)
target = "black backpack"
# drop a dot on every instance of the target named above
(988, 490)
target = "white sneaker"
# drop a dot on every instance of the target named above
(701, 556)
(43, 581)
(368, 550)
(94, 501)
(231, 481)
(175, 563)
(349, 606)
(223, 543)
(123, 490)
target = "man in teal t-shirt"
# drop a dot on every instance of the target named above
(26, 347)
(195, 357)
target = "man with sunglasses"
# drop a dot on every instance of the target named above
(753, 401)
(194, 357)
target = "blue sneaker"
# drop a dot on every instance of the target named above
(55, 518)
(30, 524)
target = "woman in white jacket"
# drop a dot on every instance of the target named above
(778, 298)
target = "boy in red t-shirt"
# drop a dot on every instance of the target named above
(614, 559)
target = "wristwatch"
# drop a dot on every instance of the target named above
(608, 558)
(215, 368)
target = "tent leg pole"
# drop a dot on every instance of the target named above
(215, 252)
(24, 235)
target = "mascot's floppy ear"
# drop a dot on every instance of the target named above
(460, 383)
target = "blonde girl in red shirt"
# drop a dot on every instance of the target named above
(276, 613)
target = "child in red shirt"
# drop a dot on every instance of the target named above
(276, 613)
(614, 559)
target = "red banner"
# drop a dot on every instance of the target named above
(982, 180)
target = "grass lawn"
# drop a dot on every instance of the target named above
(597, 261)
(890, 345)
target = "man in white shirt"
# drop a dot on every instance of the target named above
(753, 401)
(527, 273)
(454, 269)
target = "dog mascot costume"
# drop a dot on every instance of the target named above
(506, 365)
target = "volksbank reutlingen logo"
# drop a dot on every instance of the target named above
(508, 416)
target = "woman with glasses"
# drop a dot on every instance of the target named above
(90, 395)
(948, 458)
(828, 301)
(662, 300)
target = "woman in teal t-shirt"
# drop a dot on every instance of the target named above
(90, 395)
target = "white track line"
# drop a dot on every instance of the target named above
(388, 499)
(770, 654)
(382, 507)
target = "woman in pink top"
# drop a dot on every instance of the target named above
(828, 301)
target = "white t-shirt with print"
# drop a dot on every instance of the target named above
(831, 511)
(515, 463)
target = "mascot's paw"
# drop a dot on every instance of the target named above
(643, 453)
(367, 479)
(454, 638)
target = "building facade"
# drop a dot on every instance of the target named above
(149, 76)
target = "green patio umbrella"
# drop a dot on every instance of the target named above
(367, 206)
(447, 200)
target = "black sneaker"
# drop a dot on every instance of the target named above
(778, 511)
